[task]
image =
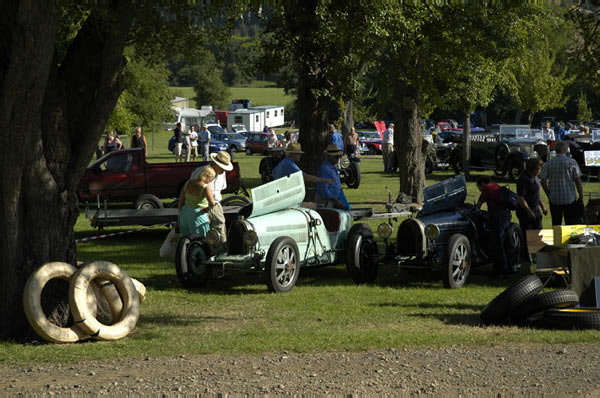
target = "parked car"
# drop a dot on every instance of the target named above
(126, 176)
(585, 149)
(371, 140)
(236, 142)
(275, 236)
(503, 152)
(447, 236)
(257, 143)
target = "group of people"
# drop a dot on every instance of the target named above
(560, 133)
(560, 178)
(113, 143)
(187, 143)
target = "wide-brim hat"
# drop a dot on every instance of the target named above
(294, 147)
(222, 159)
(333, 150)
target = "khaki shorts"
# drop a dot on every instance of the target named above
(217, 221)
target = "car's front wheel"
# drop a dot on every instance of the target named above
(513, 247)
(248, 151)
(265, 170)
(455, 274)
(353, 175)
(372, 151)
(361, 254)
(190, 261)
(456, 162)
(515, 168)
(282, 265)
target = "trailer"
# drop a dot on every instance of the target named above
(253, 120)
(273, 115)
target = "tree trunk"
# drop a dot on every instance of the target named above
(408, 144)
(53, 112)
(518, 116)
(466, 143)
(348, 118)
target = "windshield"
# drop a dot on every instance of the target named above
(216, 130)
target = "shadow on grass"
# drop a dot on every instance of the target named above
(181, 320)
(453, 319)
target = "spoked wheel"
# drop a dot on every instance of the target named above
(513, 246)
(361, 254)
(501, 155)
(353, 175)
(282, 265)
(266, 172)
(455, 274)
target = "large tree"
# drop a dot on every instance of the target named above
(61, 73)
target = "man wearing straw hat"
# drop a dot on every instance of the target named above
(289, 165)
(331, 195)
(221, 162)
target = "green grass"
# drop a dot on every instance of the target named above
(259, 93)
(324, 312)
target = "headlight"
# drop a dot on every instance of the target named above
(250, 238)
(385, 230)
(345, 162)
(432, 231)
(213, 237)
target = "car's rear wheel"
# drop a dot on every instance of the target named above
(457, 270)
(147, 201)
(372, 151)
(500, 156)
(428, 165)
(353, 175)
(456, 162)
(361, 254)
(265, 170)
(248, 151)
(232, 149)
(282, 265)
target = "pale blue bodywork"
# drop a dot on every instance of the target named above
(277, 212)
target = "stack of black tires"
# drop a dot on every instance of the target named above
(523, 304)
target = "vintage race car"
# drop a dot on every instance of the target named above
(448, 236)
(276, 236)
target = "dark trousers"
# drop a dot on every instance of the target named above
(573, 213)
(525, 222)
(499, 222)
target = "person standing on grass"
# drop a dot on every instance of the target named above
(387, 148)
(531, 207)
(499, 222)
(178, 151)
(205, 142)
(139, 141)
(334, 137)
(352, 143)
(193, 143)
(561, 180)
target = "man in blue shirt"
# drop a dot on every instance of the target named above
(331, 195)
(335, 138)
(289, 165)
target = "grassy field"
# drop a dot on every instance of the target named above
(258, 94)
(235, 314)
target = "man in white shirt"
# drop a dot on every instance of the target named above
(205, 142)
(387, 147)
(548, 132)
(193, 144)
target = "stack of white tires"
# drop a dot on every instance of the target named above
(103, 299)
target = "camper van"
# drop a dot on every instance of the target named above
(253, 120)
(273, 114)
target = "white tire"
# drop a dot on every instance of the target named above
(111, 300)
(140, 288)
(32, 296)
(126, 289)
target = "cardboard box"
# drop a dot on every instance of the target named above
(537, 239)
(562, 233)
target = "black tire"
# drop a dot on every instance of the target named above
(545, 301)
(456, 162)
(372, 151)
(174, 204)
(361, 254)
(147, 201)
(235, 200)
(498, 310)
(573, 318)
(232, 149)
(249, 151)
(458, 266)
(500, 156)
(265, 170)
(515, 168)
(191, 270)
(428, 165)
(353, 179)
(513, 247)
(282, 265)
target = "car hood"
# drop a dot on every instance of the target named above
(278, 195)
(446, 194)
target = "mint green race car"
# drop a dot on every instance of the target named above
(277, 235)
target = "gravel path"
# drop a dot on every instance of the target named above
(556, 370)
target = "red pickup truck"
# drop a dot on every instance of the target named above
(126, 176)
